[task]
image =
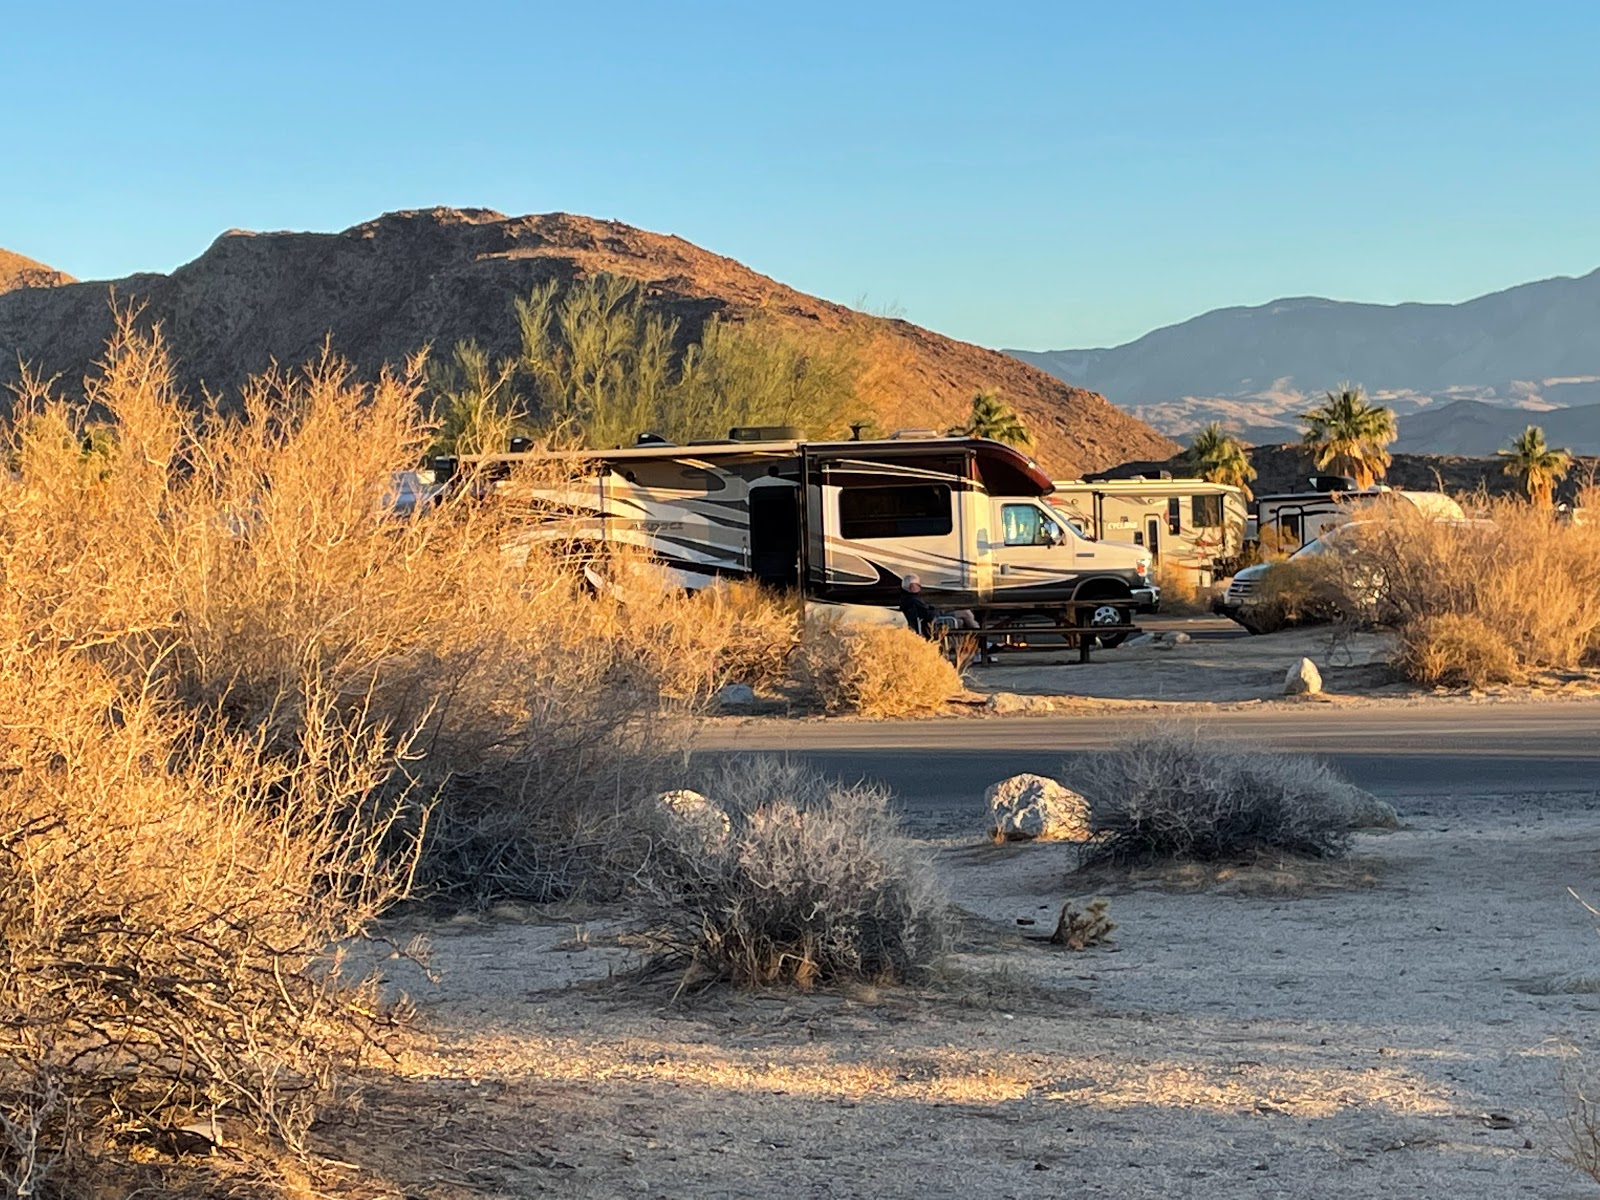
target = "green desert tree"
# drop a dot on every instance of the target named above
(475, 403)
(604, 367)
(1218, 457)
(1538, 466)
(1348, 435)
(992, 417)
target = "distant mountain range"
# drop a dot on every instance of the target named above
(1464, 378)
(385, 288)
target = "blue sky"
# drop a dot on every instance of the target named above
(1034, 175)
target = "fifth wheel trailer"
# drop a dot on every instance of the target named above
(1186, 523)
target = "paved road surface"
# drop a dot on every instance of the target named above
(1449, 749)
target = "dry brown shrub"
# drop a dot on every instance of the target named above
(874, 670)
(813, 885)
(1456, 650)
(243, 707)
(1515, 576)
(1182, 795)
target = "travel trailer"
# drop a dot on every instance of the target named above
(1296, 518)
(1186, 523)
(841, 521)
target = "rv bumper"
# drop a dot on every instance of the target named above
(1147, 599)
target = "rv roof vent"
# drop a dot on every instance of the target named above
(1164, 475)
(1333, 483)
(651, 439)
(521, 445)
(763, 433)
(1135, 478)
(911, 435)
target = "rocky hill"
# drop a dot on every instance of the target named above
(1532, 348)
(17, 271)
(389, 286)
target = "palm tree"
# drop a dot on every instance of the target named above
(992, 417)
(1348, 435)
(1217, 457)
(1539, 467)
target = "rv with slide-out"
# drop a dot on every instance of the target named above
(842, 522)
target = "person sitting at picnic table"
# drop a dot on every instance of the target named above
(923, 617)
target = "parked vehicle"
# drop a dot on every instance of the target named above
(841, 521)
(1186, 524)
(1262, 600)
(1288, 519)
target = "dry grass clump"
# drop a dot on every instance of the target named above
(735, 631)
(874, 670)
(1181, 795)
(1180, 588)
(1457, 650)
(813, 885)
(1516, 577)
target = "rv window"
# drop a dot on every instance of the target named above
(1025, 525)
(890, 512)
(1174, 515)
(1289, 527)
(671, 475)
(1205, 512)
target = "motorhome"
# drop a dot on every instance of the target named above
(841, 521)
(1186, 523)
(1291, 519)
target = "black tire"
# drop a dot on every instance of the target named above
(1108, 612)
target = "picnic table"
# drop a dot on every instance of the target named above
(1018, 625)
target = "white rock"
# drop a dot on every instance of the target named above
(690, 820)
(1303, 679)
(735, 696)
(1026, 807)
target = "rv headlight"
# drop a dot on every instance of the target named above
(1144, 565)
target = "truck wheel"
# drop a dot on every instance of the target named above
(1107, 612)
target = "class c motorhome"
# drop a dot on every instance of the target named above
(841, 521)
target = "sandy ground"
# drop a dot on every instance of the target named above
(1398, 1034)
(1215, 665)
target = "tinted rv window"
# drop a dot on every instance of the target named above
(922, 510)
(1174, 515)
(1205, 511)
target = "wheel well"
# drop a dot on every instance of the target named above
(1103, 589)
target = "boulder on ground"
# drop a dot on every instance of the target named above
(1033, 807)
(735, 696)
(1368, 812)
(690, 820)
(1303, 679)
(1009, 703)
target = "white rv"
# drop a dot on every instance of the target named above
(842, 521)
(1187, 523)
(1297, 518)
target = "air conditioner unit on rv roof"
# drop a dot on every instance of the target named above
(911, 435)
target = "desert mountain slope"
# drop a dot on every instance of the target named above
(1534, 347)
(18, 271)
(384, 288)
